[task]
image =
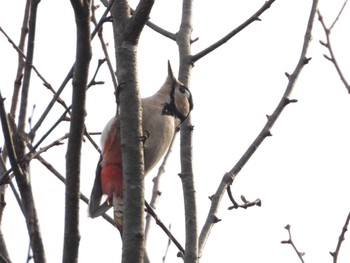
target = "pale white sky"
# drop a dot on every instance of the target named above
(301, 173)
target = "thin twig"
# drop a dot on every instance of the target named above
(3, 249)
(49, 146)
(68, 76)
(105, 51)
(63, 180)
(338, 16)
(20, 66)
(93, 80)
(15, 193)
(328, 45)
(290, 241)
(24, 188)
(4, 177)
(253, 18)
(164, 228)
(341, 239)
(156, 185)
(246, 203)
(24, 58)
(52, 128)
(17, 196)
(167, 247)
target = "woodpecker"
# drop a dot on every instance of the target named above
(162, 113)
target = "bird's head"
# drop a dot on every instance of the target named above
(180, 101)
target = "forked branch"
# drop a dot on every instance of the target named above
(331, 57)
(291, 242)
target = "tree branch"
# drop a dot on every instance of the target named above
(80, 78)
(290, 241)
(158, 29)
(186, 175)
(3, 248)
(229, 177)
(20, 67)
(226, 38)
(105, 52)
(24, 186)
(15, 95)
(328, 45)
(28, 66)
(67, 78)
(338, 16)
(138, 20)
(341, 239)
(156, 186)
(63, 180)
(161, 31)
(21, 169)
(151, 212)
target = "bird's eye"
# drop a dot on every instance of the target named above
(182, 89)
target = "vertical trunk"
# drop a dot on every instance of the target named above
(184, 43)
(73, 155)
(127, 30)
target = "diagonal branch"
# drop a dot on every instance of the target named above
(63, 180)
(161, 31)
(151, 212)
(335, 254)
(23, 58)
(158, 29)
(328, 45)
(253, 18)
(24, 187)
(229, 177)
(338, 16)
(8, 139)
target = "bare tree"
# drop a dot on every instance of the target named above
(23, 145)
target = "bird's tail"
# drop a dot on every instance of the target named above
(118, 213)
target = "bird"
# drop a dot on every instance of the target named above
(162, 114)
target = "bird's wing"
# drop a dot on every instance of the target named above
(95, 207)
